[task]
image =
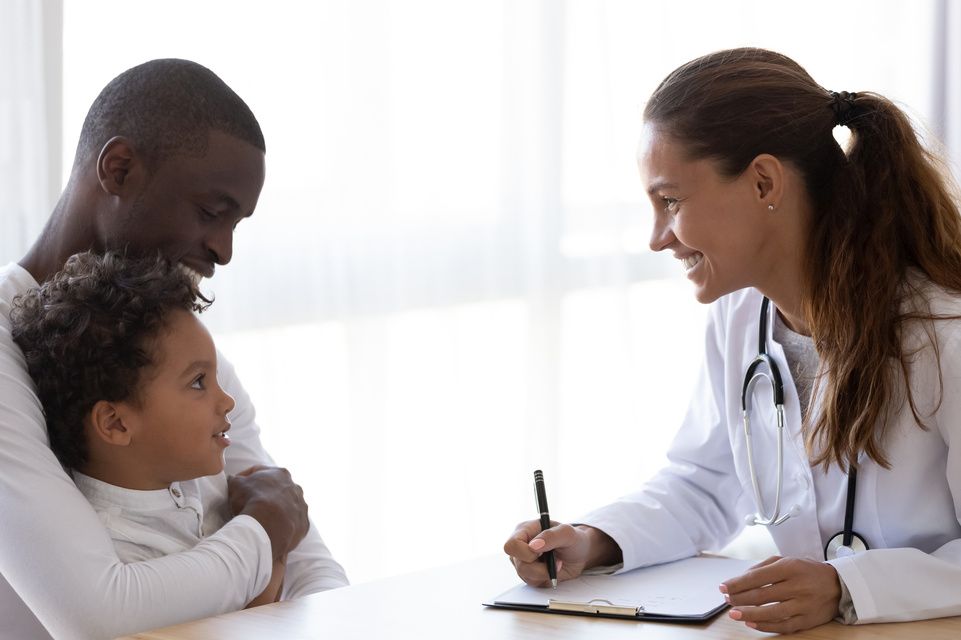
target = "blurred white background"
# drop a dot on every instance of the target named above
(446, 284)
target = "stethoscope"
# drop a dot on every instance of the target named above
(844, 543)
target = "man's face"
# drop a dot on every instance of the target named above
(178, 422)
(190, 206)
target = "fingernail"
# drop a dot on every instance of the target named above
(560, 563)
(735, 614)
(727, 598)
(722, 588)
(753, 625)
(536, 544)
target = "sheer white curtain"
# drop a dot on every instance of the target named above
(30, 114)
(946, 112)
(446, 285)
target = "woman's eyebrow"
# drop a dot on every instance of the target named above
(660, 184)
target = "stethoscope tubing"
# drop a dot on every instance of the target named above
(846, 541)
(755, 372)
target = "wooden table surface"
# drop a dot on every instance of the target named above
(446, 603)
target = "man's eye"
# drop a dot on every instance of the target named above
(206, 213)
(198, 382)
(671, 204)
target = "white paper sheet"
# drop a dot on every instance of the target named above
(686, 588)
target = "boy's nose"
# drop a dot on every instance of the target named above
(228, 403)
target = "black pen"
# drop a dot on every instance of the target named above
(541, 494)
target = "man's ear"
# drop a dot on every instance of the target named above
(106, 422)
(120, 168)
(767, 175)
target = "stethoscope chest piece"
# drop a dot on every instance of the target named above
(847, 542)
(836, 548)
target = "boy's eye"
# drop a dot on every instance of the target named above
(198, 382)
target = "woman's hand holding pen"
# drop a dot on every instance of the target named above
(784, 595)
(575, 548)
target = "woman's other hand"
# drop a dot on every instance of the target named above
(784, 595)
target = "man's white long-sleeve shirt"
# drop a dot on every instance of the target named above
(59, 572)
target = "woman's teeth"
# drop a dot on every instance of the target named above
(691, 261)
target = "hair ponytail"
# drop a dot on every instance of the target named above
(891, 211)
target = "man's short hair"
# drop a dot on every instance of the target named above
(88, 333)
(165, 108)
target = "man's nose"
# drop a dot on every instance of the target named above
(221, 246)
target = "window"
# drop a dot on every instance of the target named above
(446, 283)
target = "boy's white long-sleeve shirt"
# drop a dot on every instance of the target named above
(59, 572)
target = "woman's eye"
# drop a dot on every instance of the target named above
(671, 204)
(198, 382)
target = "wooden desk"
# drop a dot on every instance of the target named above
(398, 608)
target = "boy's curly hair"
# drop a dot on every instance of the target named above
(87, 335)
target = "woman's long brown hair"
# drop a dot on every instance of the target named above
(880, 211)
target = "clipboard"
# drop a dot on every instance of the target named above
(681, 591)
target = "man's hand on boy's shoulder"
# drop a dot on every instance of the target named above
(272, 498)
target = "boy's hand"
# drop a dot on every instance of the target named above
(270, 496)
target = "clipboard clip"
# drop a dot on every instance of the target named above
(597, 605)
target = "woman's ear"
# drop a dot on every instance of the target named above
(106, 422)
(767, 175)
(120, 169)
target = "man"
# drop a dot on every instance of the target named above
(169, 159)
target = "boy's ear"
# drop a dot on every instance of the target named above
(107, 423)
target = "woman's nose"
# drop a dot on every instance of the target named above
(662, 235)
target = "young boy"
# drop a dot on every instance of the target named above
(127, 376)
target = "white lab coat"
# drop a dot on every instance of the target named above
(909, 514)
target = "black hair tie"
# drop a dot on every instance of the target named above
(843, 106)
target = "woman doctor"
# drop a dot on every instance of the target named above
(859, 350)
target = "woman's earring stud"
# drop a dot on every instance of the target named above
(770, 207)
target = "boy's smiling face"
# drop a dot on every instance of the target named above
(176, 425)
